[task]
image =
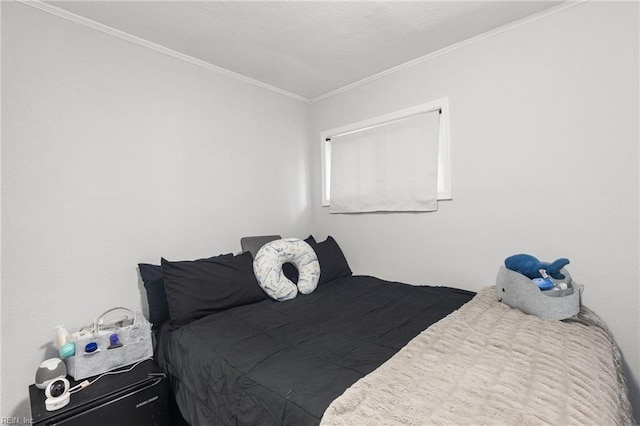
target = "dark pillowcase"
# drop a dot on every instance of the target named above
(156, 296)
(333, 264)
(291, 271)
(202, 287)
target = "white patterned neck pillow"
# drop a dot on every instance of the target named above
(268, 262)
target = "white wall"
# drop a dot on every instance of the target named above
(544, 128)
(113, 154)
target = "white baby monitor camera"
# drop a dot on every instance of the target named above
(57, 393)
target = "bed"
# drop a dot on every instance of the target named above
(360, 350)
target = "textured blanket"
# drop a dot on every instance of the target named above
(487, 363)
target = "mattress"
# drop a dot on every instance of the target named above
(283, 363)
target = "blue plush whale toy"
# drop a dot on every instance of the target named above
(529, 266)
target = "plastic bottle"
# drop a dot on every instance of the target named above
(62, 336)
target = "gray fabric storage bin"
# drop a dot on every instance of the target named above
(518, 291)
(136, 346)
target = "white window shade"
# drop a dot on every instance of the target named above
(387, 167)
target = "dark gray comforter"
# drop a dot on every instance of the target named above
(282, 363)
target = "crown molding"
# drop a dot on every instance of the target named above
(38, 4)
(451, 48)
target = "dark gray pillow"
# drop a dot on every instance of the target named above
(156, 296)
(202, 287)
(333, 264)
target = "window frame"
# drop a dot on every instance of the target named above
(444, 144)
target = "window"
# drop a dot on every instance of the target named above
(395, 162)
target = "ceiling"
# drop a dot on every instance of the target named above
(305, 48)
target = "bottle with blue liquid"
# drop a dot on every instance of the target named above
(544, 283)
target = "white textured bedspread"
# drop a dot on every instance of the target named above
(490, 364)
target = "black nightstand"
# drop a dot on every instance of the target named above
(137, 398)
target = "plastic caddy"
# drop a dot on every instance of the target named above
(518, 291)
(135, 345)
